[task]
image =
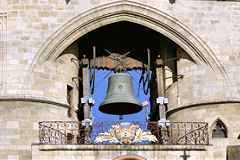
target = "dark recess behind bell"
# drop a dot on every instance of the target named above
(122, 37)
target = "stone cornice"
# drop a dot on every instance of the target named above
(30, 98)
(205, 102)
(115, 147)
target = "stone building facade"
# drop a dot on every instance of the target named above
(38, 39)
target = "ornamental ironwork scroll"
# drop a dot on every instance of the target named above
(189, 133)
(70, 132)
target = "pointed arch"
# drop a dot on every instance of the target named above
(219, 128)
(124, 10)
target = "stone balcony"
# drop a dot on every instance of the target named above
(69, 140)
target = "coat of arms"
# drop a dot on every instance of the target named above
(125, 133)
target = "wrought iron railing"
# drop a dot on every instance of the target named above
(189, 133)
(70, 132)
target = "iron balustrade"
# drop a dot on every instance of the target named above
(71, 132)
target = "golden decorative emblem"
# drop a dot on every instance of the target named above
(125, 133)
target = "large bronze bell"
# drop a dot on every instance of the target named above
(120, 97)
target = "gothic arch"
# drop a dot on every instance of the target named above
(222, 121)
(133, 12)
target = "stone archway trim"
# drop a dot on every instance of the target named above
(133, 12)
(129, 157)
(212, 122)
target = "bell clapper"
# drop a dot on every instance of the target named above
(120, 117)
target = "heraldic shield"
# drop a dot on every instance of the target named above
(125, 133)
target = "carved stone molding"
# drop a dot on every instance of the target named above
(133, 12)
(30, 98)
(200, 103)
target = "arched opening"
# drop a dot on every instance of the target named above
(171, 30)
(126, 29)
(124, 36)
(129, 157)
(219, 130)
(133, 12)
(136, 40)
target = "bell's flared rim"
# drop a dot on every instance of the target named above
(120, 108)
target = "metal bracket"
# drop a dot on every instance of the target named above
(163, 122)
(162, 100)
(87, 122)
(180, 76)
(87, 100)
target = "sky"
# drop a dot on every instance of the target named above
(101, 83)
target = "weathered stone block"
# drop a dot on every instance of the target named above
(233, 152)
(12, 124)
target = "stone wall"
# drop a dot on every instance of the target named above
(216, 23)
(19, 125)
(233, 152)
(211, 113)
